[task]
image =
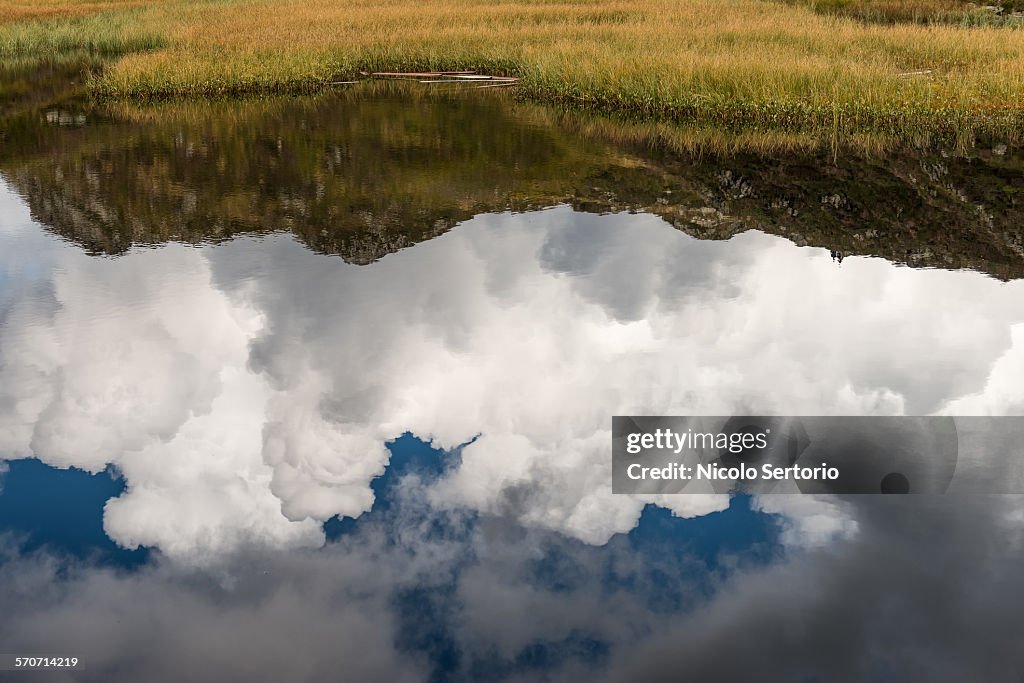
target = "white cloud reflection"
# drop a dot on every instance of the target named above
(246, 391)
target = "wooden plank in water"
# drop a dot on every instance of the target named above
(421, 73)
(488, 79)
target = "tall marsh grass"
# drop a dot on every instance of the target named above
(751, 65)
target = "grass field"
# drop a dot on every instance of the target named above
(908, 68)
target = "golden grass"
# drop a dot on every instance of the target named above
(732, 64)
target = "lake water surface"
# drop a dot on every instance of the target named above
(342, 370)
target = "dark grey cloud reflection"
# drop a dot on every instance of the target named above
(271, 617)
(928, 590)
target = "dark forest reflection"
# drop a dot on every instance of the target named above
(368, 171)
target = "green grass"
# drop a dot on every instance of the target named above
(109, 34)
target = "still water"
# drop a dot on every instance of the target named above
(342, 371)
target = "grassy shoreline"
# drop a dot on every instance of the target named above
(738, 65)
